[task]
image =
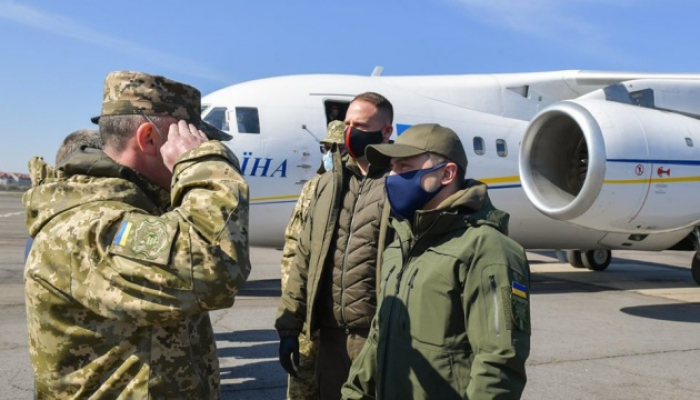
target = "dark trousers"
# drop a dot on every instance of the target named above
(336, 351)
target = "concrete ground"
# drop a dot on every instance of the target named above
(631, 332)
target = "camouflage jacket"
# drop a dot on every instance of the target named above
(291, 233)
(118, 289)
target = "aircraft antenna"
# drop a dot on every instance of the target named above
(377, 71)
(303, 126)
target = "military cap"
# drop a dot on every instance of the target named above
(419, 139)
(137, 93)
(336, 133)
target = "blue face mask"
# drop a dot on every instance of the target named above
(328, 161)
(405, 193)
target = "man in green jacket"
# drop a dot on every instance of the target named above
(303, 386)
(333, 277)
(133, 245)
(454, 314)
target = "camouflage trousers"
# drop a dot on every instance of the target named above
(305, 386)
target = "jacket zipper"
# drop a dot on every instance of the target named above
(496, 314)
(345, 257)
(386, 281)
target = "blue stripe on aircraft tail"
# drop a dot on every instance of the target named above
(400, 128)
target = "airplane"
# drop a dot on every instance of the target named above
(587, 161)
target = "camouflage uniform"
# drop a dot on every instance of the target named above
(304, 386)
(118, 288)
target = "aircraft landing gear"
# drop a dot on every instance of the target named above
(574, 257)
(596, 260)
(695, 267)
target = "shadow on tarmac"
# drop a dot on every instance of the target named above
(581, 280)
(259, 348)
(262, 288)
(683, 312)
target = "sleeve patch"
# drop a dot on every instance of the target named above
(516, 307)
(145, 237)
(519, 290)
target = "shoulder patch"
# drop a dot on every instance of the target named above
(520, 306)
(145, 237)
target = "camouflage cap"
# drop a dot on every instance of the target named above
(130, 92)
(336, 133)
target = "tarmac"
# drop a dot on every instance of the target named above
(630, 332)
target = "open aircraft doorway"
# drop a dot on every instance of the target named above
(335, 110)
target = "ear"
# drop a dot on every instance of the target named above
(145, 139)
(449, 174)
(386, 134)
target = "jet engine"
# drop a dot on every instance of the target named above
(613, 166)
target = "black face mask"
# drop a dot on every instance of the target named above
(356, 141)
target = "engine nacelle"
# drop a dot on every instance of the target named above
(612, 166)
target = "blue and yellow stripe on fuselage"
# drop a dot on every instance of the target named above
(513, 181)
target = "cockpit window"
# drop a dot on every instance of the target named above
(217, 118)
(248, 120)
(204, 108)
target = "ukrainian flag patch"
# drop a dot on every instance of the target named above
(145, 237)
(520, 306)
(518, 290)
(122, 235)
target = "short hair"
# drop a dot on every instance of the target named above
(116, 130)
(76, 141)
(437, 159)
(383, 105)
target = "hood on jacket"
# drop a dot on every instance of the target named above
(471, 203)
(55, 191)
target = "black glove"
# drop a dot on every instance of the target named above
(289, 354)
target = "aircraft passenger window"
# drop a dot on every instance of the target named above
(479, 146)
(217, 118)
(501, 148)
(248, 120)
(689, 142)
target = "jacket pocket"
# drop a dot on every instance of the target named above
(496, 308)
(410, 287)
(386, 281)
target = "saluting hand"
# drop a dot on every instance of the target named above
(182, 137)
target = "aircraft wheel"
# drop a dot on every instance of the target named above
(596, 260)
(695, 267)
(574, 257)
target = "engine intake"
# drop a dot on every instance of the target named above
(612, 166)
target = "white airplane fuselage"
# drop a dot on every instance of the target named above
(641, 194)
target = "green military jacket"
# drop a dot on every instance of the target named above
(454, 317)
(118, 289)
